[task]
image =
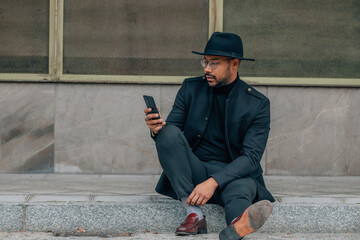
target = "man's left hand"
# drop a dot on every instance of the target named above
(202, 192)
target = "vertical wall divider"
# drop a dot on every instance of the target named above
(212, 16)
(52, 36)
(219, 15)
(216, 15)
(60, 39)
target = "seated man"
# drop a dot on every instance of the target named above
(211, 144)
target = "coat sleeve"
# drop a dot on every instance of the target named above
(252, 149)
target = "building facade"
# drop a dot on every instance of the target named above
(73, 72)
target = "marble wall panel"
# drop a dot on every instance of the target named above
(100, 128)
(315, 131)
(168, 95)
(353, 129)
(26, 128)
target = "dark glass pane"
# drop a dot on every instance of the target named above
(24, 38)
(128, 37)
(295, 38)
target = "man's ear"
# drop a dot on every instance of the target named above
(236, 63)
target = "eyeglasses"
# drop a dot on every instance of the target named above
(212, 64)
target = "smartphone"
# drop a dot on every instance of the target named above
(150, 103)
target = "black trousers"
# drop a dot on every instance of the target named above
(185, 170)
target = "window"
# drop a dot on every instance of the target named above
(300, 39)
(133, 37)
(24, 38)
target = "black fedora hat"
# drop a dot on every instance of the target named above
(224, 44)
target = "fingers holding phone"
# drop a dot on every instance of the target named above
(154, 121)
(153, 117)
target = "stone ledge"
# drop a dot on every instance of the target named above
(120, 203)
(48, 198)
(163, 216)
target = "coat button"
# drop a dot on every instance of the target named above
(206, 119)
(199, 136)
(249, 89)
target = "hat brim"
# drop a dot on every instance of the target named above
(223, 54)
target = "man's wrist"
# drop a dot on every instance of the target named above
(214, 182)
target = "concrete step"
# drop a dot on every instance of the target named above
(128, 204)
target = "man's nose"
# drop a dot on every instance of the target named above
(207, 68)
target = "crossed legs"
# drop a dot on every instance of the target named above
(181, 166)
(185, 170)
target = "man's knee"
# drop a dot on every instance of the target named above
(168, 136)
(237, 196)
(240, 188)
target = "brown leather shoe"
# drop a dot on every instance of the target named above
(250, 221)
(192, 225)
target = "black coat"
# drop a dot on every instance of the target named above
(247, 126)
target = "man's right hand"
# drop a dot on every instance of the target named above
(155, 125)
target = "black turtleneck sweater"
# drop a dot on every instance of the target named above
(213, 143)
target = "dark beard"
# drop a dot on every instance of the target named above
(221, 83)
(218, 84)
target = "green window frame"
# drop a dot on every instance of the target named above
(216, 16)
(138, 79)
(292, 14)
(32, 77)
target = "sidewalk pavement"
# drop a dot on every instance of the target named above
(129, 204)
(171, 236)
(27, 188)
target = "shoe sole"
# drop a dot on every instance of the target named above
(253, 218)
(202, 231)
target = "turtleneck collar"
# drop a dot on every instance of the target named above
(226, 89)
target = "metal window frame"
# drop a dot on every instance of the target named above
(289, 81)
(216, 14)
(32, 77)
(134, 79)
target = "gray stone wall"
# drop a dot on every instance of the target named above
(26, 128)
(99, 128)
